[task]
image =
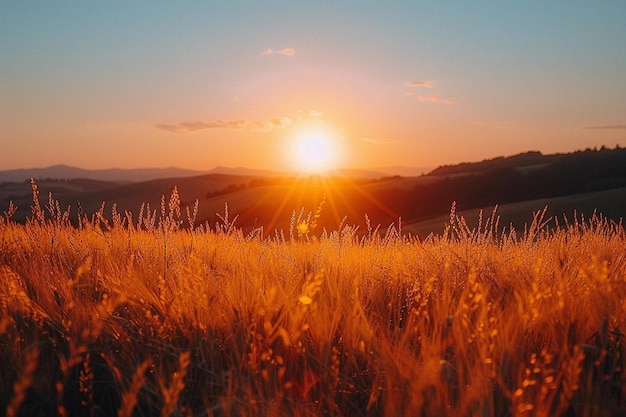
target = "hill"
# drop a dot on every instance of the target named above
(610, 204)
(522, 160)
(583, 181)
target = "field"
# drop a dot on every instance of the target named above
(152, 314)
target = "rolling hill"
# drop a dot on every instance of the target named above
(582, 181)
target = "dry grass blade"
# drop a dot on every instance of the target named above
(24, 382)
(130, 396)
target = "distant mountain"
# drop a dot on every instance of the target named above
(65, 172)
(245, 172)
(114, 175)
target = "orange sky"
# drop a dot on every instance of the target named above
(237, 84)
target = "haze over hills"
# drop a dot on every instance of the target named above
(113, 174)
(65, 172)
(582, 181)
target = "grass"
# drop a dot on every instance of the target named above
(155, 315)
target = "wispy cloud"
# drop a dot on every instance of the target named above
(419, 84)
(309, 114)
(284, 51)
(606, 127)
(237, 124)
(413, 88)
(436, 98)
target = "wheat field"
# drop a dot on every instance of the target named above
(149, 314)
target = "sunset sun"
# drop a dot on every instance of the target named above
(314, 151)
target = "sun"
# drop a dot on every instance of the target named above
(314, 151)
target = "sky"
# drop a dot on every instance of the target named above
(199, 84)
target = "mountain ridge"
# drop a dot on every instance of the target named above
(522, 161)
(514, 181)
(125, 175)
(62, 171)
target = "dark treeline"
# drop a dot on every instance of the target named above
(507, 180)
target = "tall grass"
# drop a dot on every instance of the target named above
(141, 316)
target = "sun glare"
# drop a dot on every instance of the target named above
(314, 151)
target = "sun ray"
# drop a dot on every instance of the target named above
(330, 189)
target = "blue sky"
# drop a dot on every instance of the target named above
(200, 84)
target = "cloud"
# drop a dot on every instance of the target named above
(236, 124)
(426, 98)
(281, 122)
(606, 127)
(309, 114)
(436, 98)
(284, 51)
(419, 84)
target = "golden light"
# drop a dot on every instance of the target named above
(314, 151)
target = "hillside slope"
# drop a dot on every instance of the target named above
(582, 181)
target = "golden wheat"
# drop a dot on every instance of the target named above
(209, 321)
